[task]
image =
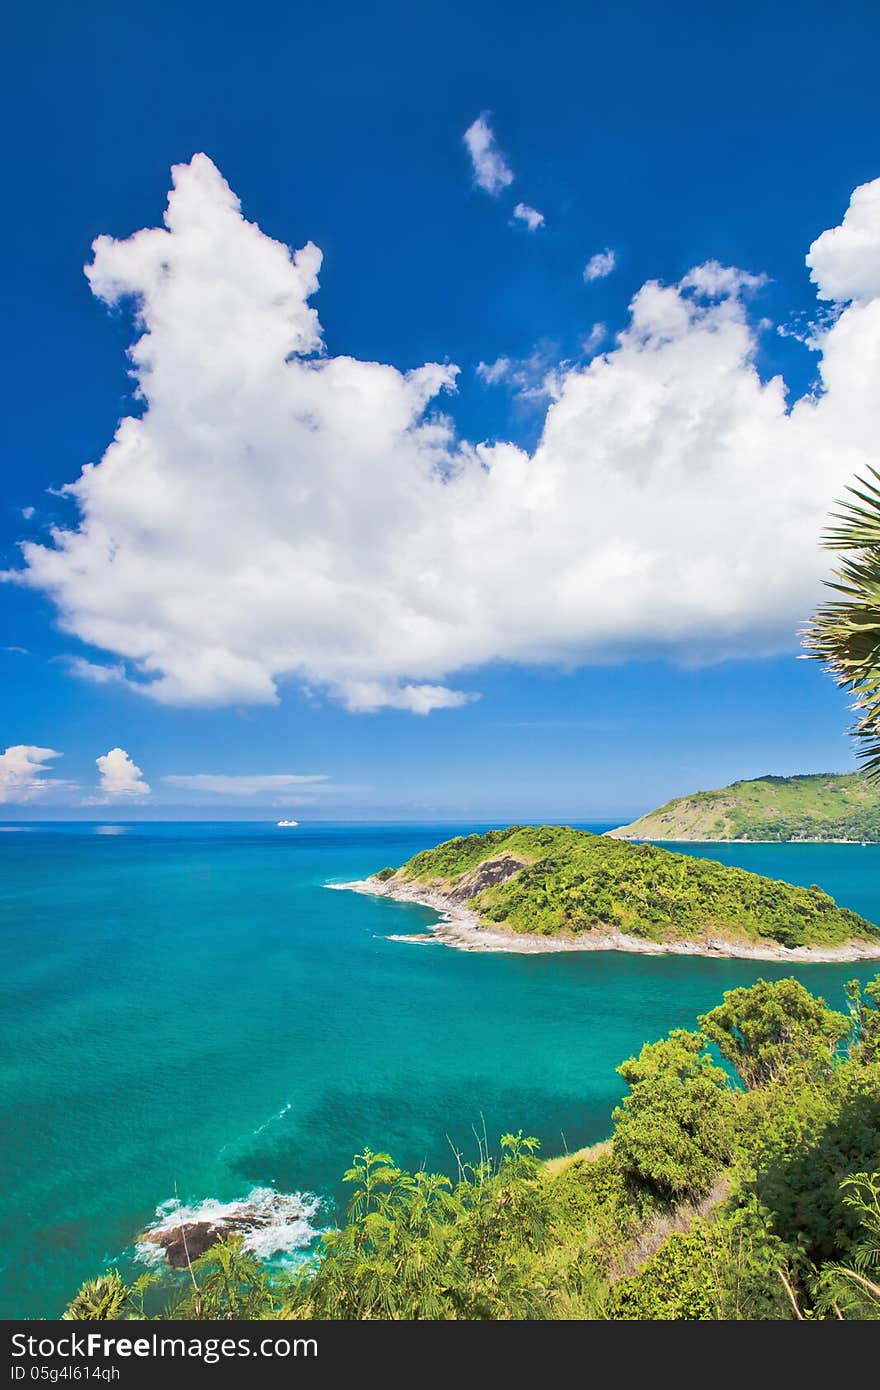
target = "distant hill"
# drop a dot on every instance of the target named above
(821, 806)
(555, 881)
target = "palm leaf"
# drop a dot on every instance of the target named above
(844, 633)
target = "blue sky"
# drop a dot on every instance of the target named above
(674, 138)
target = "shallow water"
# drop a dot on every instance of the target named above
(186, 1011)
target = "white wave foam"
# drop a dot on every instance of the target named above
(274, 1224)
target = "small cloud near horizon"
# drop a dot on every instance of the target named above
(120, 776)
(23, 769)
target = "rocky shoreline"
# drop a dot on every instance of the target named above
(460, 927)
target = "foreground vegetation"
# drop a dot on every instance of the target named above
(822, 806)
(551, 879)
(750, 1190)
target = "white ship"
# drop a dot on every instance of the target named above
(286, 824)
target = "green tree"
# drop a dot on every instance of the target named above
(852, 1289)
(796, 1141)
(673, 1130)
(773, 1030)
(393, 1258)
(227, 1282)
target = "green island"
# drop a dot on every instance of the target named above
(820, 806)
(739, 1182)
(580, 888)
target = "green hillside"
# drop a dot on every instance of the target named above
(822, 806)
(551, 880)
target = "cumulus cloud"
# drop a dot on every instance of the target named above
(492, 173)
(276, 513)
(532, 218)
(844, 261)
(600, 265)
(23, 773)
(244, 784)
(120, 777)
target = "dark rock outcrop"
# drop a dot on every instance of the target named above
(486, 875)
(186, 1242)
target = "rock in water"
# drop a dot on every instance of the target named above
(271, 1223)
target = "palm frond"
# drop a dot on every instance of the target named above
(844, 633)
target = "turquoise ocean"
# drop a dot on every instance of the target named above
(187, 1013)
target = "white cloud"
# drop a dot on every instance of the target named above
(23, 770)
(713, 280)
(120, 777)
(844, 261)
(533, 378)
(492, 373)
(275, 513)
(366, 696)
(244, 785)
(99, 673)
(532, 218)
(809, 329)
(600, 265)
(597, 334)
(491, 170)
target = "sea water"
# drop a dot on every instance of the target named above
(188, 1016)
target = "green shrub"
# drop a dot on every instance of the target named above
(673, 1131)
(772, 1030)
(727, 1269)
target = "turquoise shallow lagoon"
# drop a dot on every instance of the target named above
(185, 1009)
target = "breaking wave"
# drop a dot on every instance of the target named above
(275, 1225)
